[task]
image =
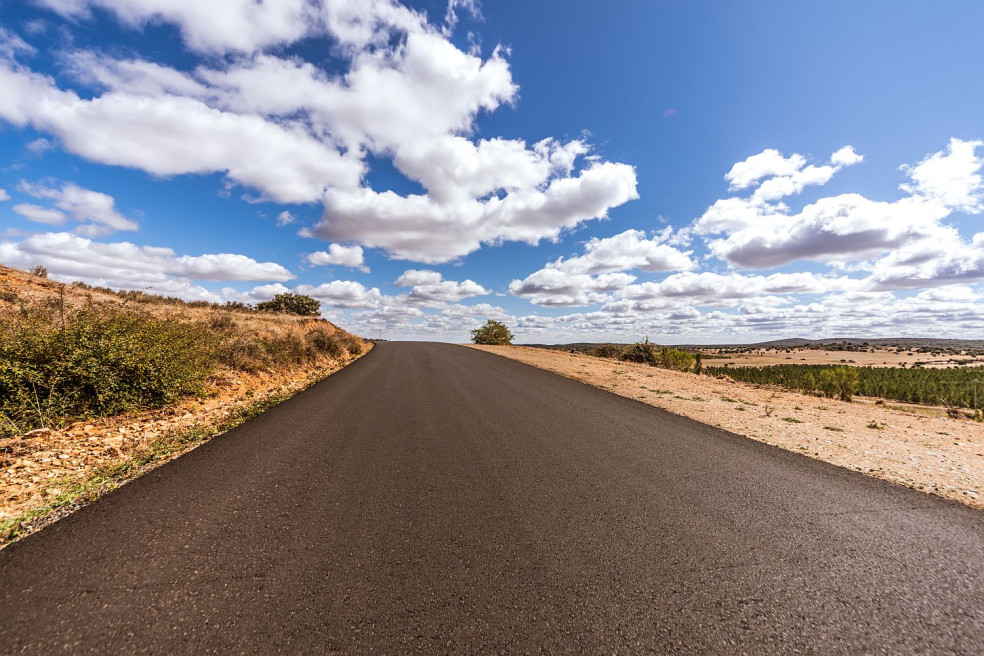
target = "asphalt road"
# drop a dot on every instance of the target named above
(436, 499)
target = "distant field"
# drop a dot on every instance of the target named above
(928, 353)
(875, 357)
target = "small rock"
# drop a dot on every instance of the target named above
(37, 432)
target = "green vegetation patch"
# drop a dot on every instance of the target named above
(61, 364)
(950, 387)
(95, 362)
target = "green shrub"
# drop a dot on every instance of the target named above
(95, 362)
(493, 332)
(660, 356)
(642, 352)
(288, 303)
(615, 351)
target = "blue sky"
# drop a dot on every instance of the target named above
(690, 172)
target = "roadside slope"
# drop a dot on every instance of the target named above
(97, 386)
(436, 499)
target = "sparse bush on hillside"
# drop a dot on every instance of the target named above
(39, 271)
(253, 354)
(287, 303)
(95, 362)
(660, 356)
(615, 351)
(493, 332)
(61, 362)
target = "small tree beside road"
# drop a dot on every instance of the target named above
(493, 332)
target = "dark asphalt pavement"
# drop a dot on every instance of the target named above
(436, 499)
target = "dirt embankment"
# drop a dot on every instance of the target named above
(934, 454)
(265, 358)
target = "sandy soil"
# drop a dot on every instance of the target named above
(874, 358)
(939, 455)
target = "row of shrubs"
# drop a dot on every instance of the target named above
(58, 365)
(954, 387)
(665, 357)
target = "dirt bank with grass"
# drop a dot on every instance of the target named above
(935, 454)
(97, 386)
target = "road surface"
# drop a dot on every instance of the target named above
(436, 499)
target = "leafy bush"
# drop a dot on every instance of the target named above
(615, 351)
(493, 332)
(660, 356)
(95, 362)
(288, 303)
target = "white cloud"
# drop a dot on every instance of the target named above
(95, 211)
(347, 256)
(40, 214)
(419, 228)
(942, 259)
(843, 228)
(4, 196)
(413, 277)
(953, 177)
(285, 218)
(624, 252)
(128, 266)
(848, 227)
(12, 45)
(714, 289)
(429, 288)
(295, 133)
(40, 146)
(767, 164)
(778, 176)
(343, 294)
(591, 278)
(845, 157)
(153, 133)
(556, 288)
(454, 6)
(213, 27)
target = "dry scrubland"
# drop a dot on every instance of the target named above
(907, 445)
(121, 382)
